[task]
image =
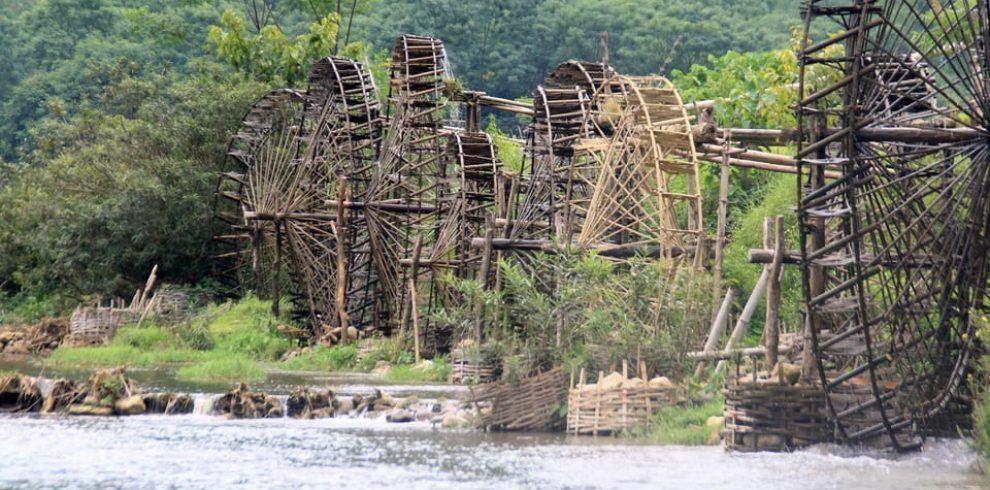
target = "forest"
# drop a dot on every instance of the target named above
(114, 114)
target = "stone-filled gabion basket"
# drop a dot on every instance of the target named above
(770, 416)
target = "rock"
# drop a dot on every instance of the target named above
(436, 408)
(611, 381)
(381, 367)
(352, 333)
(18, 347)
(62, 393)
(791, 373)
(407, 402)
(180, 405)
(770, 442)
(345, 406)
(632, 383)
(661, 382)
(454, 420)
(400, 416)
(83, 409)
(714, 425)
(132, 405)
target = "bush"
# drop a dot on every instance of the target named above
(685, 425)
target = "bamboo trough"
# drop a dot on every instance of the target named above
(611, 409)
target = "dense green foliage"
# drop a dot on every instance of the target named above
(115, 113)
(506, 47)
(588, 312)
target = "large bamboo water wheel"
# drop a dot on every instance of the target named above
(894, 251)
(611, 165)
(279, 198)
(266, 141)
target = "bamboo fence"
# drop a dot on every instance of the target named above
(529, 404)
(592, 410)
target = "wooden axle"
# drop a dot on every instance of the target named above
(604, 249)
(765, 256)
(395, 207)
(780, 137)
(732, 354)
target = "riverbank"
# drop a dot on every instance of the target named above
(241, 342)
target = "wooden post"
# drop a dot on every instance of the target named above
(415, 314)
(276, 265)
(256, 261)
(718, 327)
(723, 207)
(408, 309)
(486, 262)
(773, 295)
(340, 228)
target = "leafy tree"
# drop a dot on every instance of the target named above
(270, 56)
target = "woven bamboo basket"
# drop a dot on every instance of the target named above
(595, 410)
(94, 326)
(466, 371)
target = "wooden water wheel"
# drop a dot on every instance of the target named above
(894, 251)
(267, 139)
(611, 164)
(293, 168)
(642, 168)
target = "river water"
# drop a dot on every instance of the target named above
(202, 451)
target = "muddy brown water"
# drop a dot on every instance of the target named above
(201, 451)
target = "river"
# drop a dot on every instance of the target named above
(202, 451)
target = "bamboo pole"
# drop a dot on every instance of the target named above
(773, 296)
(718, 327)
(276, 265)
(415, 316)
(486, 262)
(340, 227)
(723, 206)
(409, 309)
(742, 323)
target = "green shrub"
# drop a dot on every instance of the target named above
(390, 350)
(685, 425)
(336, 358)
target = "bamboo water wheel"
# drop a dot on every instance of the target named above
(267, 139)
(611, 165)
(894, 250)
(293, 154)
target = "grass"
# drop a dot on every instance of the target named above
(437, 370)
(685, 425)
(237, 342)
(225, 368)
(222, 343)
(119, 355)
(337, 358)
